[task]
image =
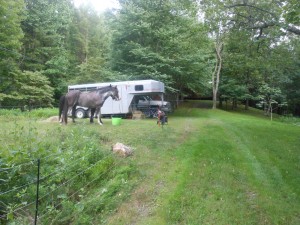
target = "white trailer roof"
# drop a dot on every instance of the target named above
(148, 86)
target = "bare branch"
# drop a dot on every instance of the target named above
(251, 6)
(263, 25)
(293, 30)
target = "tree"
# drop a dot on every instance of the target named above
(270, 98)
(90, 42)
(161, 40)
(292, 67)
(31, 89)
(11, 15)
(250, 40)
(46, 29)
(253, 62)
(232, 90)
(215, 19)
(263, 15)
(243, 63)
(291, 12)
(217, 71)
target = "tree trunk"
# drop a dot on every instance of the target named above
(216, 73)
(247, 104)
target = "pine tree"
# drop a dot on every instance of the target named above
(11, 15)
(46, 30)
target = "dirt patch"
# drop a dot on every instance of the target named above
(52, 119)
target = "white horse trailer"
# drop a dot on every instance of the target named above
(133, 95)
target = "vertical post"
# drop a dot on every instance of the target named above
(271, 113)
(37, 193)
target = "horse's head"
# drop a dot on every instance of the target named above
(114, 93)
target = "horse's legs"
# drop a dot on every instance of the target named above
(92, 115)
(73, 112)
(65, 112)
(99, 116)
(61, 118)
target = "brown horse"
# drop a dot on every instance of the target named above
(93, 100)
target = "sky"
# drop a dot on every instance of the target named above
(99, 5)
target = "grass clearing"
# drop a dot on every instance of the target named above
(205, 167)
(230, 168)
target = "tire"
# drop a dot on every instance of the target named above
(80, 113)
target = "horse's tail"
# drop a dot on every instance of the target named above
(65, 111)
(75, 104)
(61, 106)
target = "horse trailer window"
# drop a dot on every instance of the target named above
(139, 87)
(91, 88)
(80, 89)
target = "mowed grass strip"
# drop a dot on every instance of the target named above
(230, 168)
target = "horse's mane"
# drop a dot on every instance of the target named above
(102, 90)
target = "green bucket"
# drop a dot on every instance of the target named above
(116, 121)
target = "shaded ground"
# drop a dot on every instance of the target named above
(202, 104)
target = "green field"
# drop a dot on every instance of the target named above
(204, 167)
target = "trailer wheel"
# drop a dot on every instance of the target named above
(80, 113)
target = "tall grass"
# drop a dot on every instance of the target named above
(34, 113)
(81, 180)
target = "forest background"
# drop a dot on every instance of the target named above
(243, 50)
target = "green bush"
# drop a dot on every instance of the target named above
(43, 112)
(35, 113)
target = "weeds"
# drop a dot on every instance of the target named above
(74, 161)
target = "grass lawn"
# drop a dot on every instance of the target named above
(223, 168)
(204, 167)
